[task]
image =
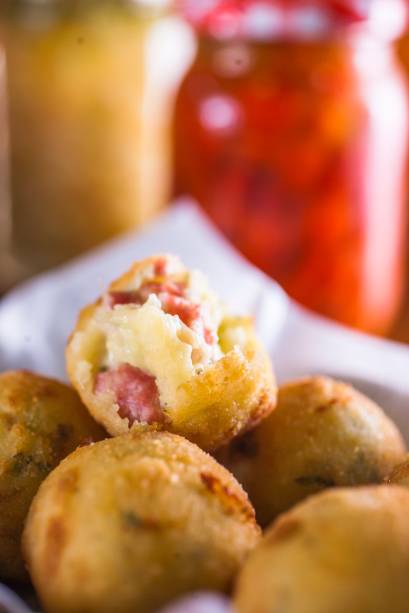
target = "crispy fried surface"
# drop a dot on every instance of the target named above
(229, 396)
(400, 474)
(41, 422)
(344, 550)
(322, 434)
(132, 522)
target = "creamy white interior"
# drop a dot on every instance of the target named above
(161, 344)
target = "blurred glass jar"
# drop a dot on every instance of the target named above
(4, 188)
(291, 129)
(89, 123)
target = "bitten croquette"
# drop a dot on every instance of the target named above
(158, 351)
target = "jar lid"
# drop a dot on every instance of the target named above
(267, 19)
(17, 6)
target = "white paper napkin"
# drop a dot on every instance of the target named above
(36, 318)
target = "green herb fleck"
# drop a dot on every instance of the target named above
(131, 520)
(314, 481)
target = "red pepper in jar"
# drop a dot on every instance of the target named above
(291, 131)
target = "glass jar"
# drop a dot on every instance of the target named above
(89, 141)
(6, 267)
(291, 130)
(4, 199)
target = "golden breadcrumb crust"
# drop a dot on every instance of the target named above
(323, 433)
(400, 474)
(344, 550)
(133, 522)
(41, 422)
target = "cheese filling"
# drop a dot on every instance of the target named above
(157, 335)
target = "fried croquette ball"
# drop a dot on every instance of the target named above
(133, 522)
(41, 422)
(344, 550)
(400, 474)
(322, 434)
(158, 351)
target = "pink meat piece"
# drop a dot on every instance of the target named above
(135, 392)
(209, 336)
(141, 295)
(160, 267)
(169, 293)
(168, 288)
(187, 311)
(171, 296)
(121, 297)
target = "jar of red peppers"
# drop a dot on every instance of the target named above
(291, 130)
